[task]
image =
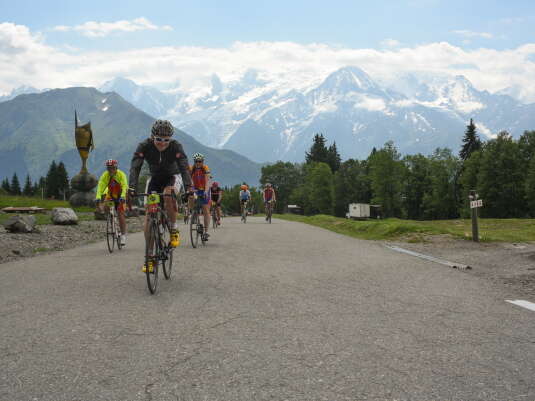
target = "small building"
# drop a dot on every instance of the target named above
(358, 211)
(294, 209)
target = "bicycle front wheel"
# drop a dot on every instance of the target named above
(110, 232)
(152, 254)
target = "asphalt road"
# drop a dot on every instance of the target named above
(283, 311)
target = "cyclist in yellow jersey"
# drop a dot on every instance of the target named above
(112, 185)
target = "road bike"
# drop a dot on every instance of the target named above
(113, 230)
(196, 227)
(269, 211)
(213, 212)
(158, 250)
(244, 212)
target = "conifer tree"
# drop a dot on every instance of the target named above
(28, 188)
(15, 185)
(471, 141)
(318, 151)
(62, 180)
(51, 187)
(333, 158)
(5, 186)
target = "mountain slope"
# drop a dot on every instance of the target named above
(36, 129)
(268, 121)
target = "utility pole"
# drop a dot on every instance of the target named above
(473, 209)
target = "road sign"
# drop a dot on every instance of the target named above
(476, 203)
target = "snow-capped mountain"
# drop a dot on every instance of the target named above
(21, 90)
(267, 121)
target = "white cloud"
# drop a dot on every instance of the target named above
(471, 34)
(390, 43)
(95, 29)
(25, 59)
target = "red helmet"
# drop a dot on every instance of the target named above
(111, 163)
(215, 184)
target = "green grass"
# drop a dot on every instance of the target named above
(506, 230)
(49, 204)
(84, 213)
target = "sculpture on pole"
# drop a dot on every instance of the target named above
(83, 182)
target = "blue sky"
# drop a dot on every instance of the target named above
(64, 43)
(346, 23)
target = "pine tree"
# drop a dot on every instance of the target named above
(15, 185)
(5, 186)
(51, 188)
(471, 141)
(28, 188)
(63, 180)
(333, 158)
(318, 151)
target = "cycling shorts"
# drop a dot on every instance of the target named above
(205, 200)
(119, 206)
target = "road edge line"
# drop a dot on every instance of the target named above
(458, 266)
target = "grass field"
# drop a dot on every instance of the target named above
(506, 230)
(48, 204)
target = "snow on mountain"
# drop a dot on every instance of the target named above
(21, 90)
(269, 120)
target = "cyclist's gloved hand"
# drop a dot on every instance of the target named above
(122, 200)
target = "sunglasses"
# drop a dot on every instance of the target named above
(198, 161)
(158, 139)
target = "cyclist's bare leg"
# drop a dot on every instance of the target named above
(170, 206)
(122, 221)
(218, 212)
(206, 213)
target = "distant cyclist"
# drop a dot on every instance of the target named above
(245, 197)
(217, 197)
(269, 196)
(166, 159)
(200, 175)
(112, 185)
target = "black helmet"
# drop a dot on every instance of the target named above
(162, 128)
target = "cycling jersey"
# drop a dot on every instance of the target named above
(216, 193)
(245, 195)
(167, 163)
(269, 194)
(198, 176)
(114, 186)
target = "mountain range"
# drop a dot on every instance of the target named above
(268, 121)
(38, 128)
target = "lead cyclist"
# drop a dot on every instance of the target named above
(168, 165)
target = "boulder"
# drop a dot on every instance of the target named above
(64, 216)
(20, 224)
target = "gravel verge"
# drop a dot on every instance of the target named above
(51, 238)
(509, 265)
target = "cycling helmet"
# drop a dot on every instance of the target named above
(111, 163)
(268, 185)
(215, 184)
(243, 187)
(162, 128)
(198, 157)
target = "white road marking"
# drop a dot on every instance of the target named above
(523, 304)
(430, 258)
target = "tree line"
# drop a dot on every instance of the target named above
(54, 185)
(419, 187)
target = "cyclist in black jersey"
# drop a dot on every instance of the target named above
(168, 165)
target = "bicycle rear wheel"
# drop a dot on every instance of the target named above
(117, 232)
(214, 219)
(110, 232)
(152, 254)
(194, 234)
(167, 262)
